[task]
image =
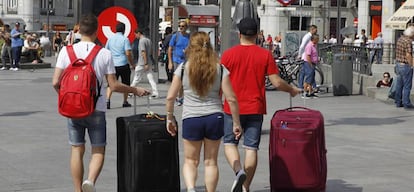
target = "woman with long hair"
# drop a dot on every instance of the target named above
(203, 80)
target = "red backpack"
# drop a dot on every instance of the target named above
(79, 88)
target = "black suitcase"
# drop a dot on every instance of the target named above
(147, 155)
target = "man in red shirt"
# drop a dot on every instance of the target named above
(248, 64)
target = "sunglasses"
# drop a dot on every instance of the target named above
(182, 26)
(386, 76)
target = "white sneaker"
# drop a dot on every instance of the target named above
(87, 186)
(11, 69)
(238, 182)
(16, 69)
(3, 68)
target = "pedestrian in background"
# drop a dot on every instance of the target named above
(310, 58)
(16, 46)
(165, 45)
(120, 48)
(6, 50)
(145, 63)
(95, 124)
(57, 42)
(404, 69)
(378, 45)
(248, 65)
(313, 29)
(203, 80)
(178, 44)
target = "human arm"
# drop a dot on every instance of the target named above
(171, 95)
(233, 104)
(170, 62)
(117, 86)
(379, 83)
(281, 84)
(56, 78)
(130, 58)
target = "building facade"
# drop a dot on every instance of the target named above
(39, 14)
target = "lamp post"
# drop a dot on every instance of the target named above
(49, 3)
(175, 14)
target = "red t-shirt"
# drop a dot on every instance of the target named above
(248, 65)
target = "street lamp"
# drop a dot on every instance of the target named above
(49, 3)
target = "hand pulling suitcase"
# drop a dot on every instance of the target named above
(147, 155)
(297, 152)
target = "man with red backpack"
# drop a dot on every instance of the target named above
(67, 72)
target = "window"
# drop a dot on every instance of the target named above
(173, 2)
(193, 2)
(70, 6)
(304, 2)
(44, 4)
(295, 22)
(334, 3)
(12, 6)
(233, 2)
(213, 2)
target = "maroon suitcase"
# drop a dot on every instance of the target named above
(297, 152)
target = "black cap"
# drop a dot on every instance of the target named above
(247, 26)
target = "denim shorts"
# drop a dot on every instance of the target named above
(96, 126)
(198, 128)
(252, 130)
(309, 73)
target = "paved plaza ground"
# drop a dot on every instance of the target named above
(370, 143)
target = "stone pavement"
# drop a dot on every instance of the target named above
(370, 143)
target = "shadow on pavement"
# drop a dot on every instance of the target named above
(366, 121)
(335, 185)
(22, 113)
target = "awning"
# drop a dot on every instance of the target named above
(11, 21)
(200, 15)
(402, 16)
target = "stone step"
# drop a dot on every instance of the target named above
(32, 66)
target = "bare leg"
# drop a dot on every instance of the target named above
(96, 163)
(211, 175)
(250, 165)
(191, 161)
(76, 166)
(233, 157)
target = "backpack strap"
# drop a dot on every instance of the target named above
(93, 53)
(71, 53)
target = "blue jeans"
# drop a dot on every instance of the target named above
(252, 130)
(302, 76)
(404, 82)
(96, 126)
(17, 52)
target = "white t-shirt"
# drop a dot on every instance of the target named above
(102, 64)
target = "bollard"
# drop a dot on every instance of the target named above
(386, 55)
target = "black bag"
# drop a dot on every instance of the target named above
(147, 155)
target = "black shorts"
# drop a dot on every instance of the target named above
(125, 73)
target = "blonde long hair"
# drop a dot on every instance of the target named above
(203, 60)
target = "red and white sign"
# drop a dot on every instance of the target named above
(285, 2)
(108, 19)
(203, 20)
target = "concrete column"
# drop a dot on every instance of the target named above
(25, 10)
(386, 54)
(225, 25)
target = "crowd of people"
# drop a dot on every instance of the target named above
(199, 81)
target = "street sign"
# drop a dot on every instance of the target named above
(108, 19)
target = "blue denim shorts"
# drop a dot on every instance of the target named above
(96, 126)
(252, 130)
(198, 128)
(309, 73)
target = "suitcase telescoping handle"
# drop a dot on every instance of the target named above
(135, 104)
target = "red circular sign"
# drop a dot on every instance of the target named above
(285, 2)
(108, 19)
